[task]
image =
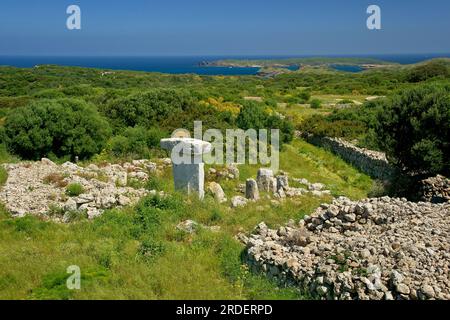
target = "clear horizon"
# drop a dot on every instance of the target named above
(350, 55)
(232, 28)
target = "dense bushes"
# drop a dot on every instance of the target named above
(325, 127)
(253, 116)
(56, 127)
(136, 142)
(432, 69)
(414, 130)
(151, 108)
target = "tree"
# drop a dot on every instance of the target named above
(148, 109)
(253, 116)
(65, 127)
(414, 129)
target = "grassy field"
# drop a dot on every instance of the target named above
(137, 253)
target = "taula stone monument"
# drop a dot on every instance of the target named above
(187, 160)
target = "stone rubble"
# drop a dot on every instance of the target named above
(238, 201)
(39, 187)
(435, 189)
(276, 186)
(381, 248)
(230, 172)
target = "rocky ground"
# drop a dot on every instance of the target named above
(435, 189)
(381, 248)
(41, 187)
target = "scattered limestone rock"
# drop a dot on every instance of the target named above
(37, 187)
(191, 227)
(435, 189)
(217, 192)
(230, 172)
(188, 226)
(48, 162)
(381, 248)
(238, 201)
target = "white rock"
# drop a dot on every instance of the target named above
(217, 192)
(238, 201)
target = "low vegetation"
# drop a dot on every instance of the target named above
(74, 189)
(137, 252)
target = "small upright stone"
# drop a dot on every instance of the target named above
(282, 182)
(251, 190)
(217, 191)
(264, 179)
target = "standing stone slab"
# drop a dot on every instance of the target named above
(188, 167)
(251, 190)
(217, 192)
(264, 179)
(282, 182)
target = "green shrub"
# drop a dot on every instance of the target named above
(74, 189)
(149, 109)
(316, 103)
(432, 69)
(62, 127)
(253, 116)
(414, 130)
(155, 183)
(3, 175)
(377, 190)
(216, 216)
(323, 126)
(136, 142)
(150, 248)
(305, 95)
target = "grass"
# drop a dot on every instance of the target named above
(137, 253)
(3, 176)
(56, 179)
(74, 189)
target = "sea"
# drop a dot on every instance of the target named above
(187, 65)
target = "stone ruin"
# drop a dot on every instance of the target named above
(187, 164)
(435, 189)
(39, 188)
(381, 248)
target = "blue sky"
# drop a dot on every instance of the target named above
(231, 27)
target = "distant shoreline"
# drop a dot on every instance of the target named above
(213, 65)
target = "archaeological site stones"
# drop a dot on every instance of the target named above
(188, 166)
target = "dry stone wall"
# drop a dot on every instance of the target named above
(380, 248)
(371, 162)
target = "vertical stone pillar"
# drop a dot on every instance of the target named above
(251, 190)
(266, 181)
(187, 163)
